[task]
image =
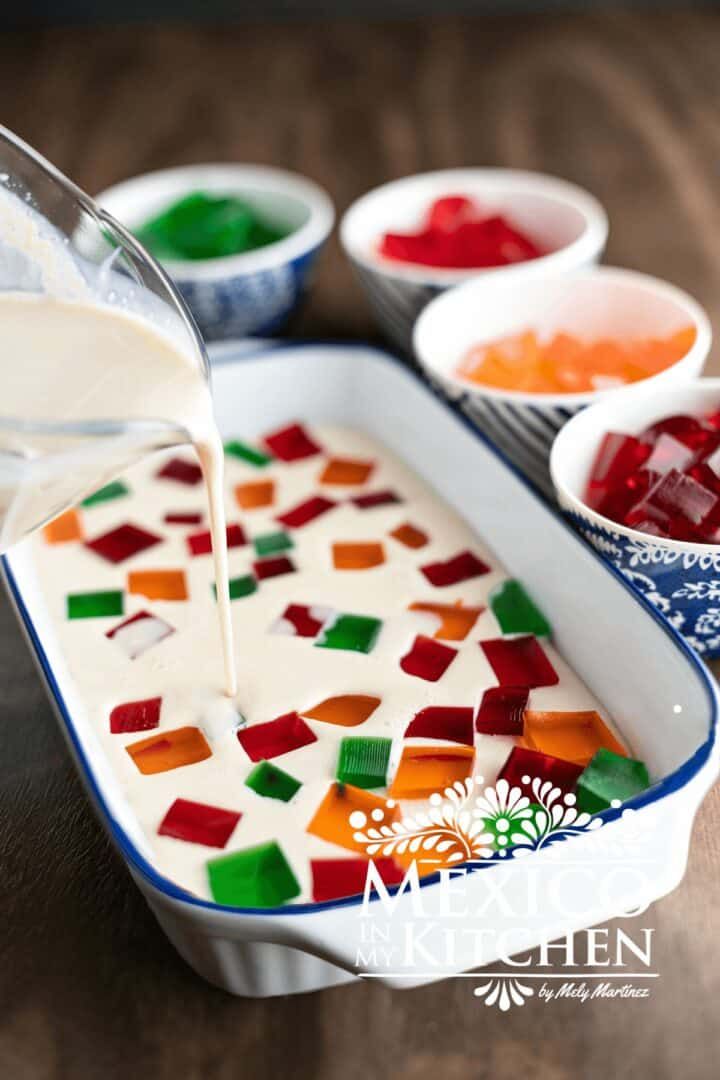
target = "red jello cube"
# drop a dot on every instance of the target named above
(182, 517)
(447, 213)
(523, 766)
(502, 710)
(276, 737)
(669, 453)
(135, 716)
(122, 543)
(336, 878)
(428, 659)
(686, 429)
(461, 567)
(305, 512)
(519, 662)
(273, 567)
(618, 456)
(201, 543)
(198, 823)
(184, 472)
(621, 499)
(676, 504)
(450, 723)
(376, 498)
(291, 443)
(302, 620)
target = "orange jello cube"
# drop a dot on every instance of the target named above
(158, 584)
(64, 528)
(410, 535)
(346, 471)
(357, 556)
(571, 736)
(254, 494)
(424, 770)
(345, 710)
(332, 817)
(169, 750)
(456, 621)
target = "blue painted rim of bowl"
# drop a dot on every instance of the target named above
(677, 780)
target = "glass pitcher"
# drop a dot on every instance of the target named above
(55, 240)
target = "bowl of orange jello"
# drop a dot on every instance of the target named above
(522, 358)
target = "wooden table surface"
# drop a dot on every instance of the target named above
(628, 105)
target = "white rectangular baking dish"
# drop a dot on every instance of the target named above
(660, 695)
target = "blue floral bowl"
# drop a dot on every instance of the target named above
(251, 294)
(681, 579)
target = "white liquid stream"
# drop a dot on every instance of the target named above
(75, 362)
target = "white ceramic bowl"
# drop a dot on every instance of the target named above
(246, 294)
(598, 302)
(562, 217)
(681, 579)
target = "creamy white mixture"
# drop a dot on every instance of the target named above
(278, 673)
(75, 362)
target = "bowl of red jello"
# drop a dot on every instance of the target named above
(413, 238)
(639, 476)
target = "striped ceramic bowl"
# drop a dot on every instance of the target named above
(593, 303)
(567, 221)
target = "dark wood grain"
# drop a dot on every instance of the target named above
(628, 105)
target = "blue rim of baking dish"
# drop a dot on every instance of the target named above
(228, 355)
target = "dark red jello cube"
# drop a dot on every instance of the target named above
(276, 737)
(335, 878)
(122, 543)
(305, 512)
(273, 567)
(135, 716)
(198, 823)
(519, 661)
(291, 443)
(502, 710)
(677, 504)
(451, 723)
(387, 497)
(201, 543)
(669, 453)
(460, 568)
(428, 659)
(686, 429)
(621, 499)
(183, 517)
(182, 471)
(523, 766)
(618, 456)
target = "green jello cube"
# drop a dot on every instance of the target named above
(610, 776)
(249, 454)
(501, 827)
(93, 605)
(271, 543)
(241, 586)
(267, 780)
(357, 633)
(258, 876)
(205, 226)
(516, 612)
(114, 490)
(364, 761)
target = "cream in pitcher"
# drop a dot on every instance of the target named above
(91, 383)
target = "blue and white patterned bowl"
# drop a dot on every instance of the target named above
(682, 580)
(597, 302)
(570, 223)
(238, 295)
